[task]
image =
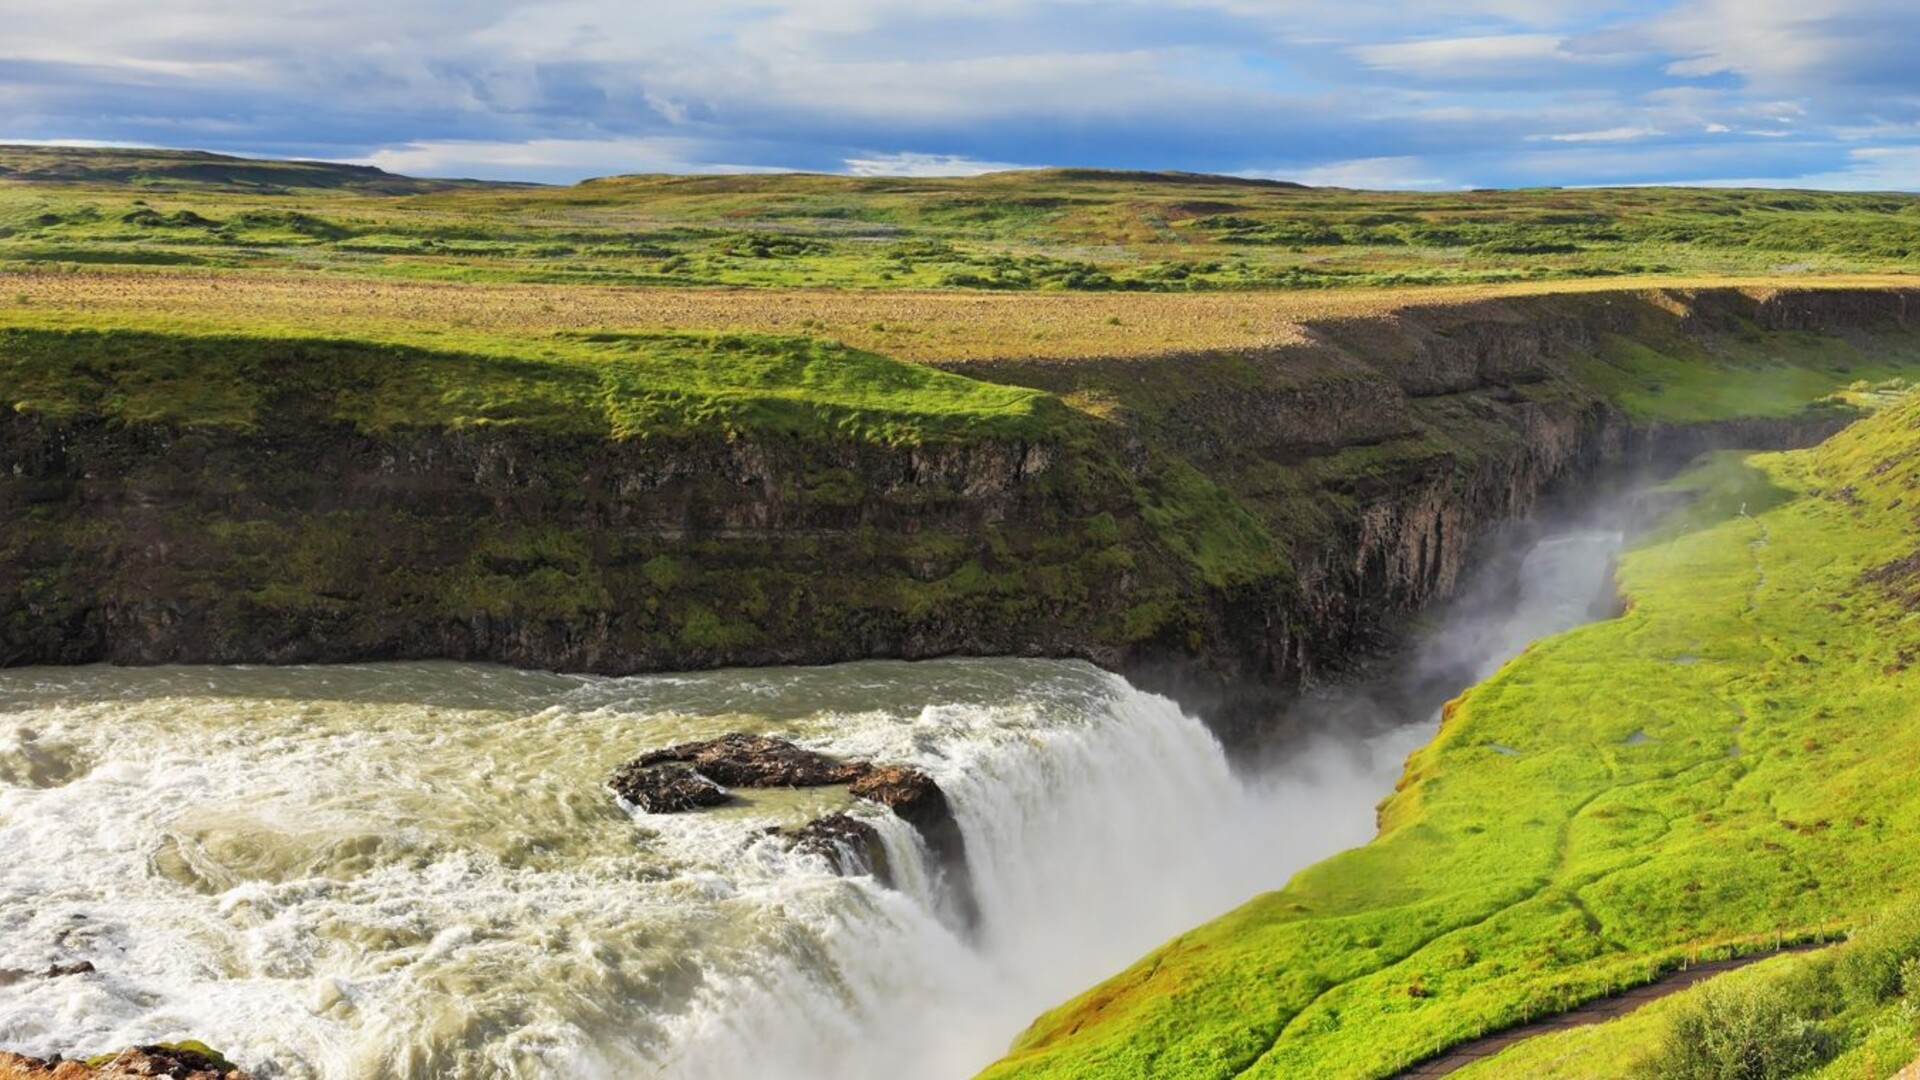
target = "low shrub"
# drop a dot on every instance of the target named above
(1869, 968)
(1744, 1031)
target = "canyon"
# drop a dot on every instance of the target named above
(1224, 527)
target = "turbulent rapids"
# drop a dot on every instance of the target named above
(415, 870)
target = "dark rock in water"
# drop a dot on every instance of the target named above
(906, 791)
(178, 1061)
(690, 776)
(852, 845)
(12, 976)
(181, 1062)
(667, 788)
(757, 761)
(916, 799)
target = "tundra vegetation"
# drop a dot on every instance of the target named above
(1725, 767)
(1031, 231)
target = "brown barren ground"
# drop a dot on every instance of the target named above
(926, 326)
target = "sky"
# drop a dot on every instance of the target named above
(1424, 94)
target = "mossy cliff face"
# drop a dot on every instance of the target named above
(292, 544)
(1220, 526)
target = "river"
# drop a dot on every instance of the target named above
(413, 870)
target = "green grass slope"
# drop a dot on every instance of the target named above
(1727, 765)
(620, 386)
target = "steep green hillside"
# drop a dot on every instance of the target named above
(1727, 765)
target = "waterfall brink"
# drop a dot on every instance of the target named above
(414, 871)
(1069, 825)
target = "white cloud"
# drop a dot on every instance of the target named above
(1754, 38)
(1399, 16)
(1374, 174)
(1618, 134)
(1791, 46)
(550, 159)
(911, 164)
(1454, 57)
(1869, 168)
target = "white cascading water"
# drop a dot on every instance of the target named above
(413, 870)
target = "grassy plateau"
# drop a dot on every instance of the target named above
(1047, 230)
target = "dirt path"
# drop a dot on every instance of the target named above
(1594, 1012)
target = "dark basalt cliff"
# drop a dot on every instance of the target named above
(1217, 526)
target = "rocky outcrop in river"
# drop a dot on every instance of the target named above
(751, 761)
(697, 774)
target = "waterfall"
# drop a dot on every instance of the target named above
(1090, 839)
(1097, 835)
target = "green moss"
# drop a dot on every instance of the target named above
(189, 1045)
(664, 572)
(703, 628)
(1210, 528)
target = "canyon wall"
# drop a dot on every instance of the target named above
(1218, 526)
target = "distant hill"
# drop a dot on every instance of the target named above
(1106, 180)
(1148, 177)
(164, 170)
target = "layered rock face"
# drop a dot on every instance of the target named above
(1220, 527)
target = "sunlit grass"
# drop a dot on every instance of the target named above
(1726, 766)
(1848, 1012)
(605, 385)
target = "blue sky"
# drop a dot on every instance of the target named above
(1362, 93)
